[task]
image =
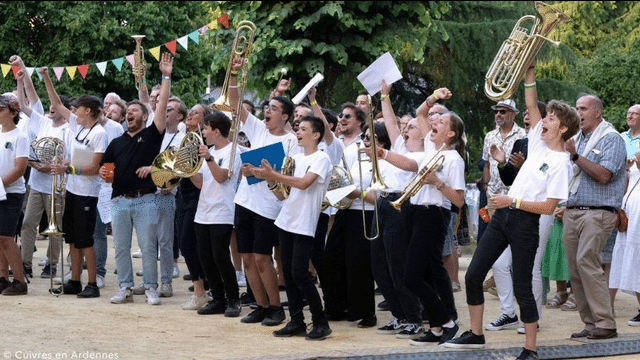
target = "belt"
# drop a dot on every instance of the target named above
(138, 193)
(385, 194)
(607, 208)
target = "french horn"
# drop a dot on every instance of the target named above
(171, 165)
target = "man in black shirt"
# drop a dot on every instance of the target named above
(133, 198)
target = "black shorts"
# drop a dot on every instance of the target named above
(79, 220)
(254, 233)
(10, 211)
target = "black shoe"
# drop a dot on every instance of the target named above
(368, 322)
(186, 277)
(16, 288)
(527, 354)
(233, 309)
(70, 288)
(213, 307)
(28, 272)
(274, 317)
(319, 331)
(449, 333)
(4, 283)
(293, 328)
(634, 321)
(255, 316)
(468, 340)
(383, 306)
(428, 339)
(90, 291)
(247, 299)
(49, 271)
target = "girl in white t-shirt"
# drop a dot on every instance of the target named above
(14, 151)
(297, 223)
(543, 181)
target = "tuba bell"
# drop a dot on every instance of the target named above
(171, 165)
(519, 50)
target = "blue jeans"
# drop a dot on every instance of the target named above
(141, 213)
(100, 245)
(166, 217)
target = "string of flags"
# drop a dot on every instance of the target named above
(221, 20)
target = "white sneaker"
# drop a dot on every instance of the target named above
(176, 271)
(122, 296)
(195, 302)
(58, 280)
(152, 297)
(100, 281)
(242, 280)
(166, 290)
(504, 321)
(139, 290)
(137, 254)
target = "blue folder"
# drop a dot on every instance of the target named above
(274, 154)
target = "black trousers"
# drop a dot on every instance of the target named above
(215, 258)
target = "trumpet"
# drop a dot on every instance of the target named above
(139, 67)
(241, 48)
(416, 183)
(519, 50)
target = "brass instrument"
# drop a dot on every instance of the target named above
(288, 168)
(375, 207)
(519, 51)
(139, 68)
(416, 183)
(241, 48)
(171, 165)
(340, 177)
(376, 180)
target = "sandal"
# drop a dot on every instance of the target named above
(558, 300)
(570, 304)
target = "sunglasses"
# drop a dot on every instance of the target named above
(343, 115)
(501, 111)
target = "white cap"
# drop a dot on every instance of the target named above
(508, 103)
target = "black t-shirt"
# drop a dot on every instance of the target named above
(131, 153)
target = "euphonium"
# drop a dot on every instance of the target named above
(139, 67)
(416, 183)
(171, 165)
(241, 48)
(519, 50)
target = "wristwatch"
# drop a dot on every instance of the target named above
(514, 202)
(575, 157)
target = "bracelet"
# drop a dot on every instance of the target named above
(363, 194)
(72, 170)
(233, 86)
(501, 165)
(313, 103)
(529, 86)
(384, 96)
(234, 72)
(272, 187)
(210, 159)
(435, 95)
(518, 202)
(166, 77)
(440, 186)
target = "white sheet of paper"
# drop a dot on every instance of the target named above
(305, 90)
(3, 193)
(334, 196)
(384, 68)
(81, 157)
(104, 203)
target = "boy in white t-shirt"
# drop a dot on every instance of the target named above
(297, 223)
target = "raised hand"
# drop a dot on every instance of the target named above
(443, 93)
(497, 153)
(166, 64)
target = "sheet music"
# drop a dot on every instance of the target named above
(104, 203)
(81, 157)
(384, 68)
(305, 90)
(334, 196)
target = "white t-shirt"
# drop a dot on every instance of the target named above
(215, 205)
(113, 130)
(38, 181)
(451, 172)
(94, 140)
(257, 197)
(395, 178)
(335, 152)
(13, 144)
(545, 174)
(351, 160)
(301, 210)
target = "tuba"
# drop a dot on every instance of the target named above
(416, 184)
(242, 45)
(171, 165)
(519, 50)
(139, 67)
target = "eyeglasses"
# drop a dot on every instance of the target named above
(366, 138)
(343, 115)
(501, 111)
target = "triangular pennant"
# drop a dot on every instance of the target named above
(83, 70)
(5, 69)
(72, 71)
(118, 63)
(184, 42)
(213, 25)
(195, 37)
(203, 29)
(224, 20)
(30, 71)
(39, 76)
(155, 52)
(171, 45)
(102, 66)
(131, 59)
(58, 71)
(15, 70)
(217, 12)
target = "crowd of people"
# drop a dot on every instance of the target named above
(553, 189)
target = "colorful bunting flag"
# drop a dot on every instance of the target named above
(58, 71)
(224, 20)
(5, 69)
(184, 42)
(71, 70)
(15, 70)
(203, 29)
(195, 37)
(83, 70)
(131, 60)
(30, 71)
(118, 63)
(155, 52)
(171, 45)
(213, 25)
(102, 66)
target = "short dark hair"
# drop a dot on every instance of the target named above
(90, 102)
(218, 120)
(251, 106)
(380, 130)
(359, 113)
(139, 103)
(331, 117)
(567, 115)
(65, 101)
(317, 125)
(287, 105)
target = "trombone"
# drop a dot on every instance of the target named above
(375, 207)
